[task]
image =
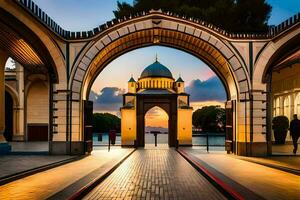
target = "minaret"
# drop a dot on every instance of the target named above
(132, 85)
(179, 85)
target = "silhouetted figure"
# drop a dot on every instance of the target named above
(295, 132)
(112, 136)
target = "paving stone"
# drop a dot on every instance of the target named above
(155, 174)
(264, 181)
(50, 182)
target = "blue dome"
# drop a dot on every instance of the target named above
(156, 70)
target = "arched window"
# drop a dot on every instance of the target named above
(10, 64)
(297, 104)
(276, 106)
(287, 107)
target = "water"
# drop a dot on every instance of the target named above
(214, 139)
(105, 139)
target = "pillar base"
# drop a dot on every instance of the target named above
(256, 149)
(64, 148)
(18, 138)
(5, 148)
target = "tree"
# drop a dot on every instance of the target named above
(230, 15)
(209, 118)
(104, 122)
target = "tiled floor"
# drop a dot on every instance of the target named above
(29, 146)
(155, 174)
(265, 181)
(290, 162)
(284, 149)
(13, 164)
(47, 183)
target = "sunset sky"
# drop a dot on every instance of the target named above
(200, 80)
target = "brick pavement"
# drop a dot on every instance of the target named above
(47, 183)
(155, 174)
(264, 181)
(13, 164)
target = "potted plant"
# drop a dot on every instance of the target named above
(280, 125)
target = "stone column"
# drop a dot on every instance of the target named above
(292, 105)
(19, 134)
(3, 59)
(4, 146)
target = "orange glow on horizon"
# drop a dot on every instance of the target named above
(156, 117)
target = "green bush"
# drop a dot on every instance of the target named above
(210, 119)
(280, 125)
(104, 122)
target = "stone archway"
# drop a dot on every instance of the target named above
(270, 66)
(158, 29)
(156, 119)
(168, 104)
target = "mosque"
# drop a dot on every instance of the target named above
(156, 87)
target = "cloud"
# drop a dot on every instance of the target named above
(109, 99)
(209, 90)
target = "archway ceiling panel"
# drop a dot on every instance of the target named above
(170, 38)
(19, 49)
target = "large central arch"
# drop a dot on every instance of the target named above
(76, 58)
(158, 29)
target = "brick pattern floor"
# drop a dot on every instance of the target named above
(47, 183)
(155, 174)
(12, 164)
(266, 182)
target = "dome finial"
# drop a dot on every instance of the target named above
(156, 58)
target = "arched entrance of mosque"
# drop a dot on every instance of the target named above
(168, 104)
(9, 121)
(156, 125)
(195, 39)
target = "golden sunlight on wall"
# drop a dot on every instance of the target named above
(156, 83)
(38, 103)
(285, 91)
(156, 117)
(184, 126)
(128, 125)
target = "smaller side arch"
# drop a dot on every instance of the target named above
(13, 94)
(272, 53)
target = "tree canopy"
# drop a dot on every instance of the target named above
(104, 122)
(230, 15)
(210, 118)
